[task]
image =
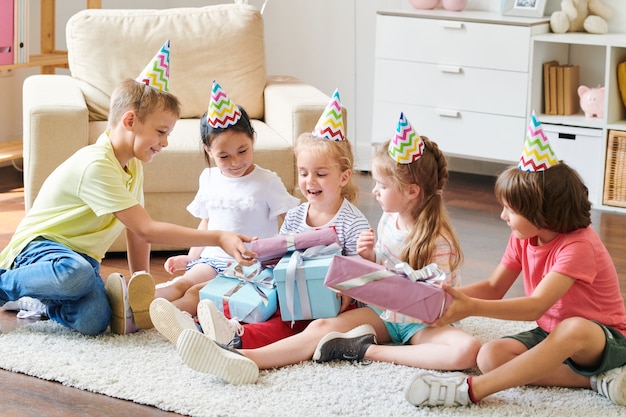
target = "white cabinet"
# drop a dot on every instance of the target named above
(462, 79)
(598, 57)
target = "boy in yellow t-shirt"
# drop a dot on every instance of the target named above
(55, 254)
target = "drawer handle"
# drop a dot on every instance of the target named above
(452, 25)
(447, 113)
(450, 69)
(569, 136)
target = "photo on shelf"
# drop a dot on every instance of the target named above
(526, 8)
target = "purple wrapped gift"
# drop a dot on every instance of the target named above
(277, 246)
(371, 283)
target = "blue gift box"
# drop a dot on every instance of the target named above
(241, 298)
(301, 291)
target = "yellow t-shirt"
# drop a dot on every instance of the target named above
(76, 203)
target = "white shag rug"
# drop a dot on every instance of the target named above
(145, 368)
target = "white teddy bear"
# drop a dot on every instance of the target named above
(581, 15)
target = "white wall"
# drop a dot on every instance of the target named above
(327, 43)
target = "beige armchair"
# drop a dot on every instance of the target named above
(63, 113)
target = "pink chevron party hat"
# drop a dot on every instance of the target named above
(157, 73)
(537, 154)
(223, 112)
(406, 146)
(330, 124)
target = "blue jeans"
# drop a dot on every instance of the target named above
(67, 282)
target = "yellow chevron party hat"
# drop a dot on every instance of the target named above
(406, 146)
(223, 112)
(157, 73)
(537, 154)
(330, 124)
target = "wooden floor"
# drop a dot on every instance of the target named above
(475, 214)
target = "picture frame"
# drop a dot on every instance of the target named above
(525, 8)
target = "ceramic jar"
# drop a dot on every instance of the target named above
(454, 5)
(424, 4)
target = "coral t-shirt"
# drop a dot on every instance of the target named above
(581, 255)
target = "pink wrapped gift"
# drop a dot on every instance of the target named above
(277, 246)
(371, 283)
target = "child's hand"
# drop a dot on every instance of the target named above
(459, 307)
(346, 300)
(176, 263)
(233, 244)
(365, 245)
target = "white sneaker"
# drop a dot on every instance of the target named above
(204, 355)
(215, 325)
(27, 307)
(611, 384)
(169, 320)
(448, 390)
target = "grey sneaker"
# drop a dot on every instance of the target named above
(349, 346)
(202, 354)
(215, 325)
(169, 320)
(27, 307)
(448, 390)
(611, 384)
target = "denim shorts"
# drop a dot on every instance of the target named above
(614, 351)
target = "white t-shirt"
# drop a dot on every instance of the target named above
(250, 204)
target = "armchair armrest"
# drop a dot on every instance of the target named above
(292, 107)
(55, 125)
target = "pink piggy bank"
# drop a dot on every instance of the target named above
(592, 101)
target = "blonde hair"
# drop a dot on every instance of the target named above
(430, 173)
(140, 98)
(340, 151)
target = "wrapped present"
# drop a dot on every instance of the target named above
(247, 293)
(277, 246)
(300, 282)
(412, 294)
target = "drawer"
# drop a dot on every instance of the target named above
(452, 86)
(582, 149)
(480, 45)
(464, 134)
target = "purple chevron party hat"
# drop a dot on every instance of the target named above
(330, 125)
(537, 154)
(222, 112)
(157, 73)
(406, 146)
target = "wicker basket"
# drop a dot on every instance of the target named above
(615, 170)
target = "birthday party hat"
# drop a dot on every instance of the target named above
(406, 146)
(330, 124)
(537, 154)
(223, 112)
(157, 73)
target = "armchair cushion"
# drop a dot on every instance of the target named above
(223, 42)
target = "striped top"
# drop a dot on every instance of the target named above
(348, 222)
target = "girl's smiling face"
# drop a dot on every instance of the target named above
(320, 178)
(232, 153)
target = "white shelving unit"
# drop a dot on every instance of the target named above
(462, 79)
(578, 140)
